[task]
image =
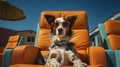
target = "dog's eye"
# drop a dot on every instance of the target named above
(56, 24)
(65, 24)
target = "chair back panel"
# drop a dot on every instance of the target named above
(80, 38)
(112, 28)
(80, 23)
(44, 39)
(13, 41)
(80, 29)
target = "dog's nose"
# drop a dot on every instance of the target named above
(60, 29)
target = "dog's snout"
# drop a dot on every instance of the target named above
(60, 29)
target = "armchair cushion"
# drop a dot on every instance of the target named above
(114, 41)
(13, 41)
(44, 39)
(80, 38)
(80, 23)
(112, 26)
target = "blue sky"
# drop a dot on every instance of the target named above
(98, 11)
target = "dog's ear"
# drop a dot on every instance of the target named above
(72, 19)
(49, 18)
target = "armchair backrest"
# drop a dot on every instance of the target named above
(80, 29)
(13, 41)
(112, 28)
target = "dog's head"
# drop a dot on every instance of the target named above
(61, 27)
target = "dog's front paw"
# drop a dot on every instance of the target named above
(78, 63)
(84, 65)
(53, 63)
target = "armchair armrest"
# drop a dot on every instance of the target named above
(25, 54)
(97, 56)
(6, 57)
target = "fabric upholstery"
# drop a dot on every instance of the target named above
(80, 38)
(110, 34)
(97, 53)
(81, 52)
(112, 26)
(80, 29)
(13, 41)
(44, 39)
(24, 54)
(114, 41)
(80, 23)
(83, 55)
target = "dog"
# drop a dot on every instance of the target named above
(61, 33)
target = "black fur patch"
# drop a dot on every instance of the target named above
(72, 19)
(65, 44)
(50, 18)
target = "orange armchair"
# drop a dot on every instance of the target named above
(28, 55)
(13, 41)
(110, 39)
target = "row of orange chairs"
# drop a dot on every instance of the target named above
(95, 56)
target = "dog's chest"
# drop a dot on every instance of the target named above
(61, 47)
(57, 49)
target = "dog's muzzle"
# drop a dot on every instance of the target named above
(60, 31)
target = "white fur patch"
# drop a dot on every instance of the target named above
(59, 20)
